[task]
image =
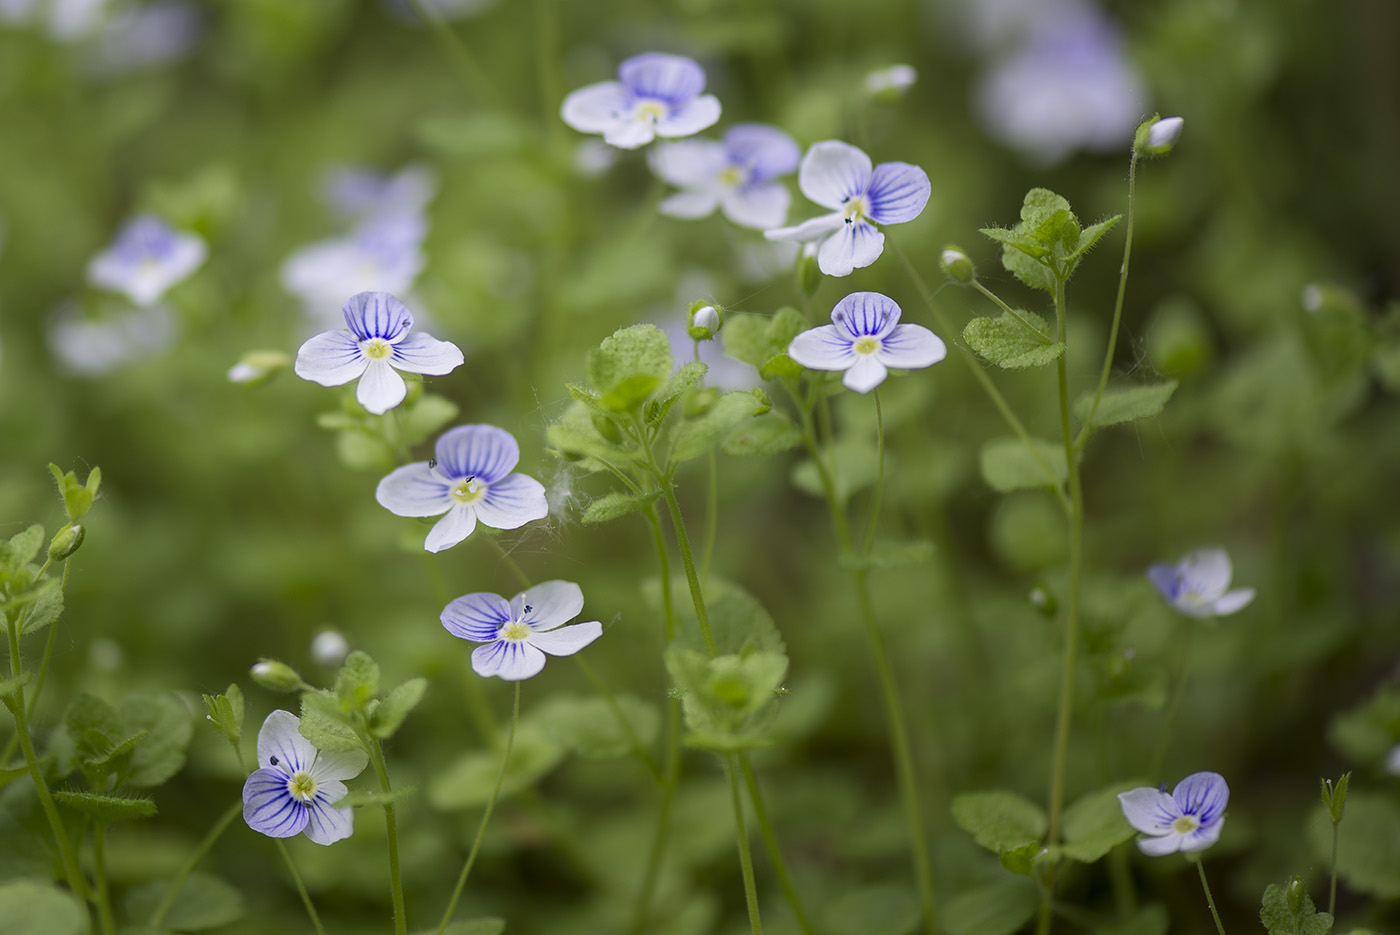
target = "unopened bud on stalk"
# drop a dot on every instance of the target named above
(329, 648)
(705, 321)
(66, 542)
(1157, 136)
(957, 266)
(275, 676)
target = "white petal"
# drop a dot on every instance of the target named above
(1232, 601)
(696, 203)
(689, 163)
(1203, 837)
(477, 617)
(507, 660)
(512, 502)
(854, 246)
(269, 807)
(331, 358)
(689, 118)
(419, 353)
(451, 529)
(760, 206)
(1149, 810)
(566, 641)
(415, 490)
(833, 172)
(865, 374)
(597, 107)
(630, 133)
(381, 388)
(485, 452)
(328, 825)
(280, 738)
(815, 229)
(909, 347)
(1206, 572)
(332, 766)
(822, 348)
(551, 603)
(1163, 845)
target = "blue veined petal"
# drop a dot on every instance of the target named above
(281, 738)
(415, 490)
(597, 107)
(760, 206)
(485, 452)
(459, 523)
(1204, 795)
(833, 172)
(377, 315)
(507, 660)
(766, 152)
(565, 641)
(1203, 837)
(673, 79)
(690, 117)
(825, 347)
(855, 245)
(910, 347)
(331, 358)
(419, 353)
(512, 502)
(380, 388)
(863, 314)
(897, 193)
(865, 374)
(1164, 576)
(269, 807)
(326, 824)
(1149, 810)
(477, 617)
(551, 604)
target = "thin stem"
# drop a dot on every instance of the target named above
(485, 817)
(1159, 758)
(633, 741)
(301, 887)
(376, 758)
(1210, 900)
(510, 563)
(745, 858)
(711, 517)
(203, 849)
(1025, 323)
(879, 475)
(48, 653)
(697, 597)
(99, 872)
(770, 841)
(468, 70)
(1332, 892)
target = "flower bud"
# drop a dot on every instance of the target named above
(957, 266)
(329, 648)
(1157, 136)
(888, 84)
(809, 274)
(1042, 600)
(705, 321)
(275, 676)
(66, 541)
(1296, 894)
(259, 366)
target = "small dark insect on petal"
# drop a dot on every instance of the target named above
(432, 463)
(529, 609)
(272, 760)
(1162, 788)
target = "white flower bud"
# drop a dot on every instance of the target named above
(1157, 136)
(329, 648)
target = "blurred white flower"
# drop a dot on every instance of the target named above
(119, 337)
(892, 81)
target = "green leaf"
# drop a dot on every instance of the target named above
(1149, 920)
(767, 434)
(21, 549)
(477, 135)
(1365, 734)
(94, 726)
(1125, 405)
(1000, 820)
(1090, 236)
(888, 553)
(628, 366)
(31, 908)
(738, 622)
(388, 717)
(882, 909)
(467, 783)
(357, 682)
(758, 340)
(326, 725)
(590, 727)
(854, 466)
(104, 809)
(694, 437)
(45, 606)
(165, 727)
(204, 901)
(483, 926)
(1009, 464)
(1020, 241)
(375, 798)
(1044, 215)
(1008, 343)
(995, 909)
(721, 696)
(618, 503)
(1368, 851)
(426, 417)
(226, 713)
(1030, 271)
(575, 436)
(1094, 824)
(683, 379)
(1280, 920)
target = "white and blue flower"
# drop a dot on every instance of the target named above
(656, 95)
(470, 480)
(737, 175)
(297, 786)
(1190, 819)
(1198, 584)
(839, 176)
(377, 346)
(146, 259)
(356, 193)
(865, 339)
(518, 633)
(383, 254)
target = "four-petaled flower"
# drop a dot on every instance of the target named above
(864, 340)
(147, 258)
(518, 633)
(657, 95)
(377, 345)
(470, 480)
(1197, 584)
(838, 176)
(1190, 819)
(297, 786)
(736, 175)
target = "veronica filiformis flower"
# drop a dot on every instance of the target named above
(655, 95)
(518, 633)
(146, 259)
(384, 253)
(1198, 584)
(865, 339)
(376, 347)
(296, 787)
(839, 176)
(470, 480)
(1190, 819)
(737, 175)
(356, 193)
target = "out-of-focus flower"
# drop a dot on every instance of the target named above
(1190, 819)
(1197, 585)
(656, 95)
(520, 632)
(890, 82)
(257, 366)
(356, 194)
(447, 9)
(118, 337)
(737, 175)
(1157, 136)
(384, 254)
(378, 344)
(329, 648)
(839, 176)
(146, 259)
(146, 35)
(469, 480)
(865, 339)
(296, 787)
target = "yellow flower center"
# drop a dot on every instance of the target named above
(376, 348)
(1185, 824)
(515, 630)
(854, 210)
(732, 177)
(867, 345)
(650, 111)
(302, 786)
(468, 490)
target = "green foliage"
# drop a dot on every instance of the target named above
(727, 700)
(1368, 851)
(1282, 919)
(1009, 464)
(204, 901)
(226, 713)
(888, 553)
(1094, 824)
(10, 686)
(590, 726)
(882, 909)
(762, 342)
(738, 622)
(140, 742)
(1124, 405)
(1334, 796)
(629, 366)
(1048, 243)
(357, 683)
(326, 724)
(693, 437)
(165, 728)
(682, 381)
(1365, 734)
(104, 809)
(28, 907)
(389, 714)
(77, 497)
(1149, 920)
(483, 926)
(21, 549)
(428, 415)
(612, 505)
(467, 782)
(576, 437)
(994, 909)
(766, 434)
(853, 462)
(1014, 342)
(1000, 820)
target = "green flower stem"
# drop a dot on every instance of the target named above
(691, 577)
(376, 758)
(996, 300)
(48, 654)
(1159, 758)
(467, 68)
(1117, 308)
(510, 563)
(711, 517)
(633, 741)
(203, 849)
(745, 858)
(301, 887)
(879, 491)
(1332, 892)
(1210, 900)
(548, 57)
(983, 379)
(99, 873)
(485, 817)
(770, 841)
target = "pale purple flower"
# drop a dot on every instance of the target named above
(518, 633)
(865, 339)
(470, 480)
(839, 176)
(383, 254)
(146, 35)
(1392, 761)
(357, 194)
(1197, 585)
(656, 95)
(297, 786)
(146, 259)
(737, 175)
(1190, 819)
(118, 337)
(377, 346)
